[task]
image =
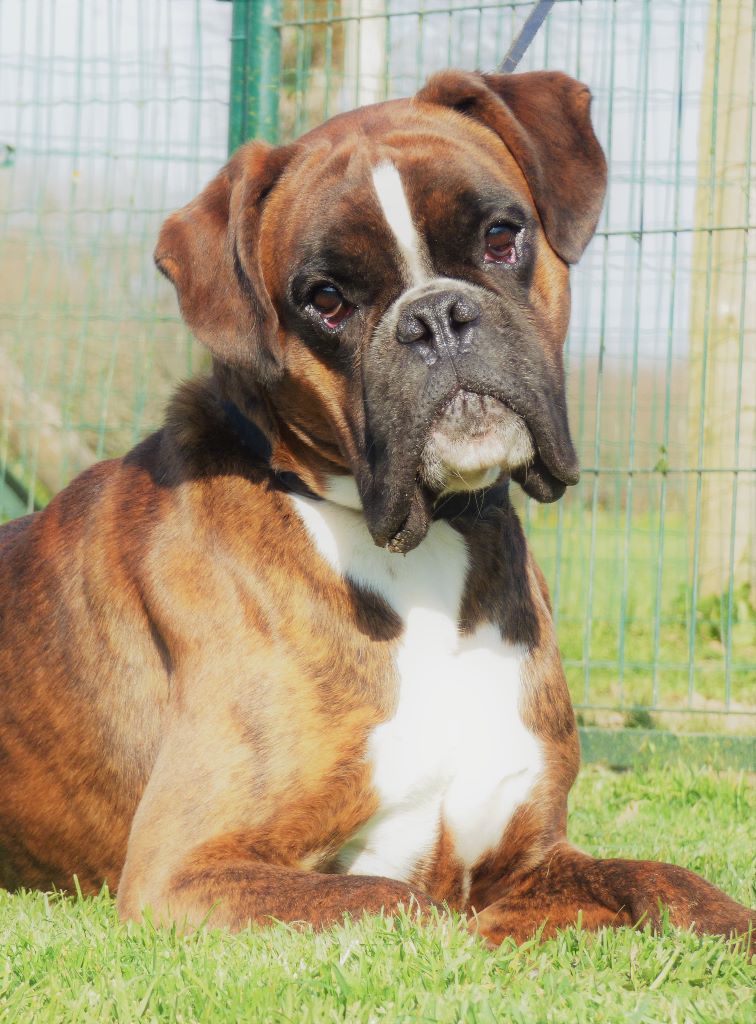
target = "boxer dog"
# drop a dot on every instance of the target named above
(291, 657)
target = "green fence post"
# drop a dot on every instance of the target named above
(255, 71)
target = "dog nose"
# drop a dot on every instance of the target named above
(437, 320)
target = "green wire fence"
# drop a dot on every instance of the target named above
(112, 114)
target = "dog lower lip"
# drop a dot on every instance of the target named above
(464, 395)
(565, 471)
(567, 475)
(463, 402)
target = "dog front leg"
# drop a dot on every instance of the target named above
(233, 891)
(570, 885)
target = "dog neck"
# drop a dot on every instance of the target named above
(257, 443)
(341, 489)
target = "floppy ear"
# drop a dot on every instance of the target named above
(544, 119)
(208, 250)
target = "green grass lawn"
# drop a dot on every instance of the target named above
(70, 960)
(627, 630)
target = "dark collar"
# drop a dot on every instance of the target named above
(461, 505)
(256, 442)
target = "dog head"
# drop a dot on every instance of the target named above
(396, 283)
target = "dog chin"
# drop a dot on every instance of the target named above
(474, 440)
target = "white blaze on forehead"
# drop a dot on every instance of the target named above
(391, 195)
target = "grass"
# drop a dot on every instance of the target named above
(91, 347)
(628, 633)
(69, 960)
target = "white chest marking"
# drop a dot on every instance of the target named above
(456, 749)
(390, 191)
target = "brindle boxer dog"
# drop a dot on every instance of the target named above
(291, 656)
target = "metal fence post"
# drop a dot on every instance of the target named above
(255, 71)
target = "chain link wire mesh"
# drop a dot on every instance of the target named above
(111, 114)
(114, 114)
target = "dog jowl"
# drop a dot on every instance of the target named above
(296, 659)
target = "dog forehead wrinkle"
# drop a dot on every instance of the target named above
(389, 189)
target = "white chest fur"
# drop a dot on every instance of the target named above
(456, 749)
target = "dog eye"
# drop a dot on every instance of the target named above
(501, 244)
(330, 305)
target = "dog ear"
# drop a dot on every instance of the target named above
(544, 119)
(208, 250)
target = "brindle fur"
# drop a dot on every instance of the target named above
(186, 699)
